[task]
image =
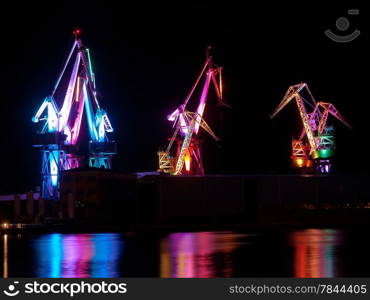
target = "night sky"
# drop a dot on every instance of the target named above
(146, 58)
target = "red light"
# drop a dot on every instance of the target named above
(77, 32)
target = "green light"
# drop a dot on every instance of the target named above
(326, 153)
(90, 66)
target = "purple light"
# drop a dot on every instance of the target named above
(66, 108)
(172, 117)
(202, 103)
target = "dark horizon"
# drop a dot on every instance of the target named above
(146, 59)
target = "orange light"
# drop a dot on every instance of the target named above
(299, 162)
(187, 161)
(308, 163)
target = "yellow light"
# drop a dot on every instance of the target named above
(5, 225)
(78, 89)
(5, 255)
(187, 161)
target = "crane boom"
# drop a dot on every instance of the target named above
(329, 108)
(306, 125)
(289, 95)
(194, 119)
(184, 147)
(293, 93)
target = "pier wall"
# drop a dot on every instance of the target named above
(108, 196)
(28, 207)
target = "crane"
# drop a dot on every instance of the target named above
(293, 93)
(58, 138)
(320, 138)
(188, 159)
(325, 134)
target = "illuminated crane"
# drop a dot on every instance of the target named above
(58, 137)
(320, 137)
(188, 159)
(294, 93)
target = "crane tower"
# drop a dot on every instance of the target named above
(58, 138)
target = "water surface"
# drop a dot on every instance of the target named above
(283, 253)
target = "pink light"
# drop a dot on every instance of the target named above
(77, 122)
(206, 242)
(183, 125)
(172, 117)
(78, 251)
(202, 102)
(66, 108)
(182, 247)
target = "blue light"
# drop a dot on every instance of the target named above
(54, 158)
(90, 115)
(108, 250)
(99, 123)
(78, 255)
(49, 249)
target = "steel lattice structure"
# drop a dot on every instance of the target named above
(316, 144)
(58, 138)
(187, 158)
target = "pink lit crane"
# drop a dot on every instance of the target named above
(188, 159)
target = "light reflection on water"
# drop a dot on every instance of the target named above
(300, 253)
(192, 254)
(5, 256)
(78, 255)
(188, 255)
(314, 253)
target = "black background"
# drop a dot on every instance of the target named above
(147, 56)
